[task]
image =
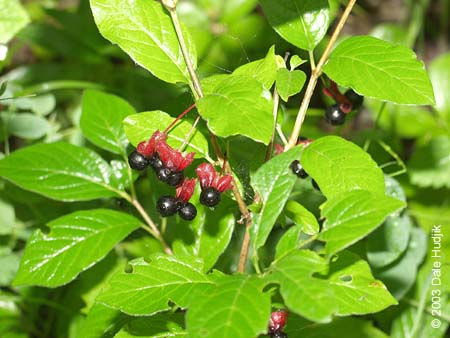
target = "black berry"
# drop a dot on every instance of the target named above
(334, 115)
(175, 178)
(315, 185)
(155, 162)
(167, 205)
(188, 212)
(210, 197)
(298, 170)
(137, 161)
(356, 99)
(163, 174)
(278, 334)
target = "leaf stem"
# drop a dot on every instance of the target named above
(189, 134)
(151, 228)
(276, 103)
(183, 46)
(198, 93)
(312, 62)
(315, 76)
(179, 117)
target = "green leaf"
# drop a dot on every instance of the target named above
(352, 216)
(389, 241)
(430, 165)
(140, 127)
(207, 236)
(317, 290)
(381, 70)
(239, 105)
(400, 275)
(339, 166)
(235, 307)
(232, 10)
(347, 327)
(102, 322)
(273, 182)
(28, 126)
(7, 218)
(101, 120)
(41, 105)
(440, 77)
(13, 18)
(147, 287)
(75, 242)
(302, 217)
(144, 30)
(158, 326)
(295, 61)
(289, 83)
(60, 171)
(264, 70)
(290, 241)
(303, 23)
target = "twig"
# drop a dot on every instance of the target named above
(183, 46)
(315, 75)
(198, 93)
(189, 134)
(152, 229)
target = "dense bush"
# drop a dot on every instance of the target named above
(224, 168)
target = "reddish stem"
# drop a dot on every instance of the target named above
(179, 117)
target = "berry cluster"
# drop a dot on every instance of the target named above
(169, 165)
(167, 162)
(168, 205)
(212, 184)
(335, 114)
(276, 324)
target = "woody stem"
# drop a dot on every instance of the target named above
(198, 93)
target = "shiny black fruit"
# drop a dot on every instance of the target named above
(187, 212)
(167, 205)
(210, 197)
(137, 161)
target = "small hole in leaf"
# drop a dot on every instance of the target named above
(147, 260)
(128, 268)
(334, 258)
(346, 278)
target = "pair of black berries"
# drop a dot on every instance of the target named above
(140, 162)
(335, 114)
(169, 205)
(298, 170)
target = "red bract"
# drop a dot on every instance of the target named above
(173, 159)
(305, 142)
(148, 148)
(185, 190)
(333, 92)
(277, 320)
(208, 177)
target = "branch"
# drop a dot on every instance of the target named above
(152, 228)
(198, 93)
(315, 76)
